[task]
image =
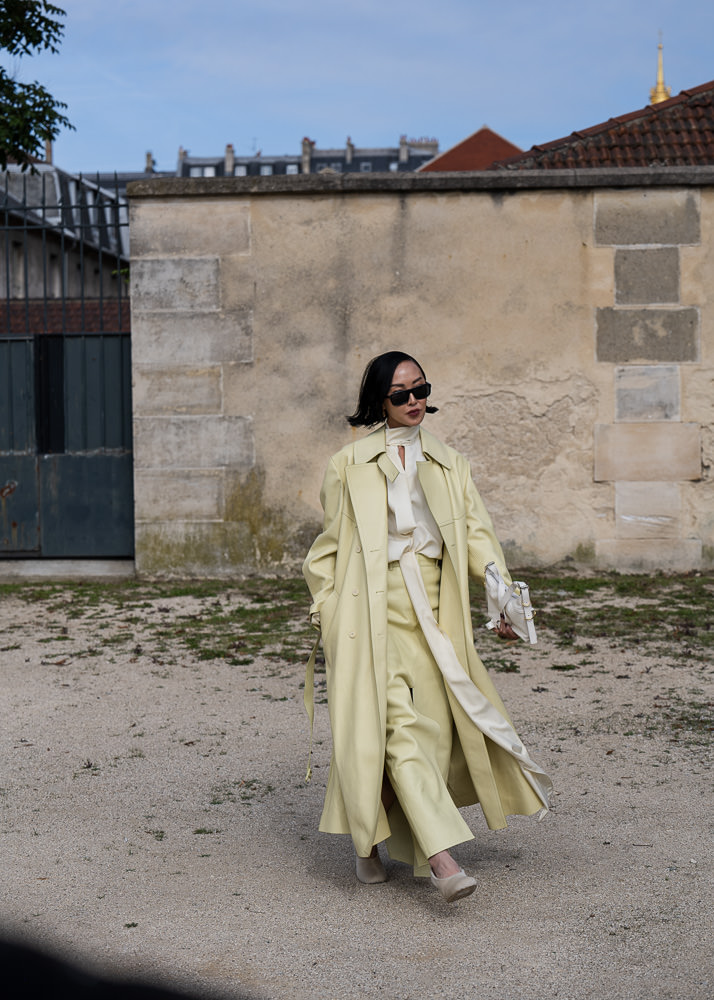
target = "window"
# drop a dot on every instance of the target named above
(337, 167)
(195, 172)
(266, 169)
(209, 171)
(240, 170)
(292, 168)
(394, 166)
(365, 167)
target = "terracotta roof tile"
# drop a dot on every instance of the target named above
(677, 132)
(477, 152)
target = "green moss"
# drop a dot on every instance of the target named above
(189, 550)
(584, 554)
(253, 535)
(245, 504)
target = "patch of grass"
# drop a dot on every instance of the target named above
(250, 789)
(501, 664)
(647, 611)
(690, 717)
(90, 766)
(221, 794)
(265, 618)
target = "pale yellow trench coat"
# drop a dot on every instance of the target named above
(346, 571)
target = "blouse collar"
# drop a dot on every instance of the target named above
(368, 448)
(400, 436)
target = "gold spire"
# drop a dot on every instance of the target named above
(659, 92)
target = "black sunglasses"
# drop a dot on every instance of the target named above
(401, 396)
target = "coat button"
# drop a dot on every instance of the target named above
(352, 635)
(358, 549)
(355, 593)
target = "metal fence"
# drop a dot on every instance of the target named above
(65, 367)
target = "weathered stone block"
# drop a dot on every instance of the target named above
(654, 452)
(191, 338)
(193, 548)
(177, 389)
(165, 495)
(647, 392)
(666, 217)
(180, 227)
(647, 510)
(647, 335)
(193, 442)
(164, 284)
(648, 555)
(643, 277)
(238, 282)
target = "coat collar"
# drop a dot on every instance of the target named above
(375, 446)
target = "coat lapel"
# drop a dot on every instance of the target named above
(368, 492)
(433, 482)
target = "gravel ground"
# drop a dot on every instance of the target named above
(155, 822)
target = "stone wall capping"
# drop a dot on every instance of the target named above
(478, 180)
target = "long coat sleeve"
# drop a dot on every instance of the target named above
(346, 571)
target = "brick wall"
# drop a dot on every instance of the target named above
(70, 316)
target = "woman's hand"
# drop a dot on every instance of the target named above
(504, 630)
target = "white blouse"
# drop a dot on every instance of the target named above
(410, 522)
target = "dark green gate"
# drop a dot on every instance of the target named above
(66, 480)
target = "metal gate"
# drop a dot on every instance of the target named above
(66, 480)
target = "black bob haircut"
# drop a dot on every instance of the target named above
(376, 382)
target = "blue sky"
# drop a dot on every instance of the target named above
(154, 75)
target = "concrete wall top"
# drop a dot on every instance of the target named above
(479, 180)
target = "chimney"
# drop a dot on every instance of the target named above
(48, 151)
(229, 161)
(307, 147)
(149, 164)
(403, 149)
(349, 150)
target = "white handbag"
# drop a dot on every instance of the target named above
(513, 601)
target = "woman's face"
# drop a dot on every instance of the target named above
(406, 376)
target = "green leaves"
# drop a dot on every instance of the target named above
(25, 26)
(29, 115)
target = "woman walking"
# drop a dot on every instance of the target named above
(418, 728)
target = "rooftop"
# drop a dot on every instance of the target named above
(677, 132)
(477, 152)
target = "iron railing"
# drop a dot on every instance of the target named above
(64, 254)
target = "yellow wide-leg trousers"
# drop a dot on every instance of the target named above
(419, 725)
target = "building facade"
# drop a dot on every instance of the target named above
(409, 155)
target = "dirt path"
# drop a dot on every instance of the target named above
(154, 820)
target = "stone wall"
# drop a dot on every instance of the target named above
(566, 321)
